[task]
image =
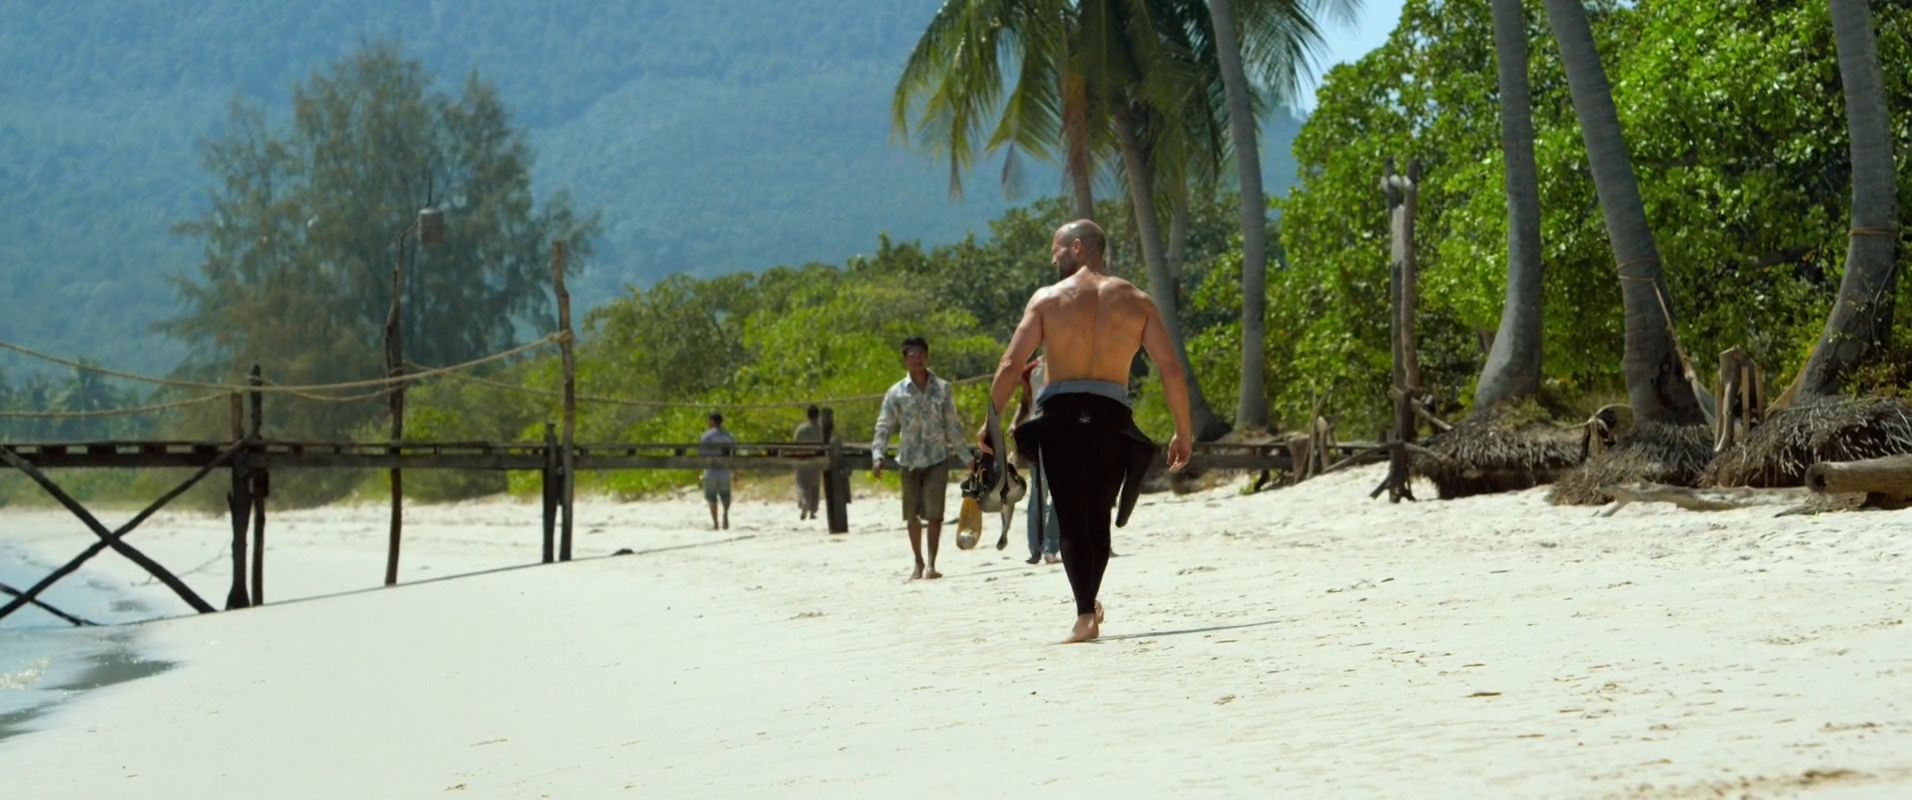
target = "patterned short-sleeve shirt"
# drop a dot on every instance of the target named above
(926, 419)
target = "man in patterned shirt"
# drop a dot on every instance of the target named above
(922, 408)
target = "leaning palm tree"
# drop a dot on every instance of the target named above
(1148, 66)
(1280, 36)
(1861, 319)
(1657, 385)
(1513, 363)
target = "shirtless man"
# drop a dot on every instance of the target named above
(1089, 325)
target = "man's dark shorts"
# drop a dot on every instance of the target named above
(923, 492)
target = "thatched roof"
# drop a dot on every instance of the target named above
(1778, 452)
(1650, 453)
(1503, 449)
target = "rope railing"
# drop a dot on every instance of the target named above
(670, 404)
(383, 386)
(113, 412)
(309, 389)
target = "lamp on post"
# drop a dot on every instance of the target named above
(430, 225)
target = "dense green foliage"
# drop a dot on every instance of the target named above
(1732, 114)
(715, 137)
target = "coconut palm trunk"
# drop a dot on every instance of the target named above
(1513, 363)
(1135, 162)
(1657, 388)
(1252, 409)
(1861, 319)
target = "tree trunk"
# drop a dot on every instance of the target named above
(1078, 163)
(1252, 409)
(1657, 388)
(1135, 162)
(1513, 361)
(1861, 319)
(1178, 238)
(1082, 194)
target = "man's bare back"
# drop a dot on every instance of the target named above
(1089, 326)
(1092, 326)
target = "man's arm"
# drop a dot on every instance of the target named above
(1022, 345)
(885, 425)
(1168, 361)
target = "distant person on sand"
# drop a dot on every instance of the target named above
(922, 407)
(1045, 543)
(1089, 325)
(809, 479)
(717, 442)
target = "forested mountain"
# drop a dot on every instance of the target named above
(713, 137)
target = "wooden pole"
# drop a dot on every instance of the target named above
(836, 483)
(1401, 192)
(548, 483)
(568, 480)
(76, 622)
(261, 484)
(239, 505)
(395, 366)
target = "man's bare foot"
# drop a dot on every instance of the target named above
(918, 574)
(1098, 612)
(932, 574)
(1086, 630)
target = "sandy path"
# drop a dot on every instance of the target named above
(1305, 642)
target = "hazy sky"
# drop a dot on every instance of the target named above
(1346, 42)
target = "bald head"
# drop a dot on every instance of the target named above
(1078, 244)
(1086, 232)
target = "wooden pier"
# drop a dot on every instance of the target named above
(251, 460)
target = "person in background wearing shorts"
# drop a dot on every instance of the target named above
(922, 408)
(717, 442)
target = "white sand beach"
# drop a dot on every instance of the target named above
(1304, 642)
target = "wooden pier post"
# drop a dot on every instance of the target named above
(239, 504)
(836, 480)
(1402, 198)
(261, 486)
(394, 367)
(548, 485)
(568, 479)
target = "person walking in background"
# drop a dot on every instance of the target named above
(715, 443)
(809, 479)
(1045, 534)
(922, 408)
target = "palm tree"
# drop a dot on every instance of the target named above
(1155, 71)
(1657, 387)
(1861, 319)
(1284, 33)
(87, 393)
(1513, 364)
(1089, 71)
(955, 75)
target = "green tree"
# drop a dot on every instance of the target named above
(1284, 33)
(307, 222)
(1745, 186)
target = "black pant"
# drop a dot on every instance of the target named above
(1085, 452)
